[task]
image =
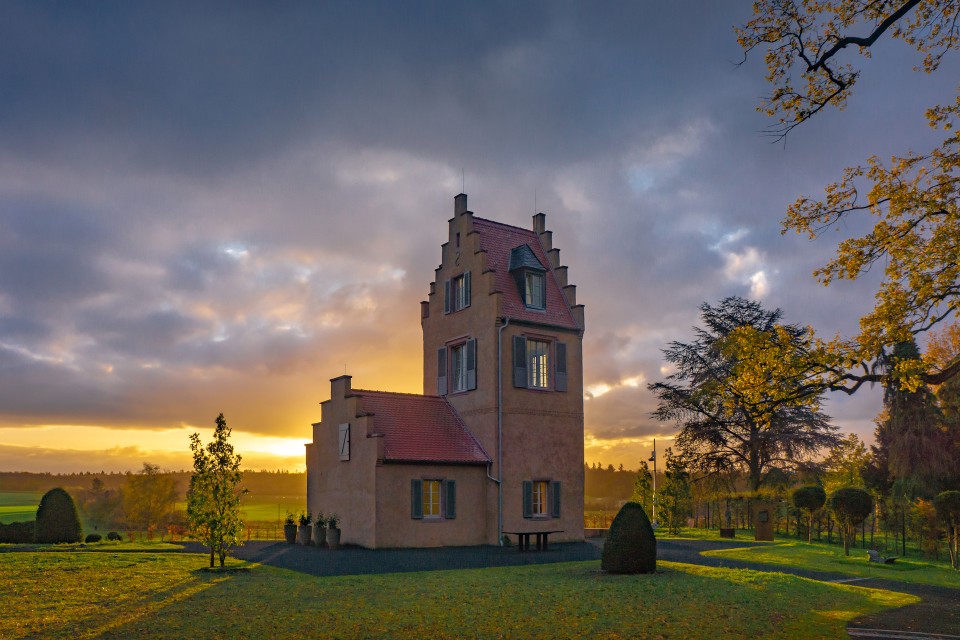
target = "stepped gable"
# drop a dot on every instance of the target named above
(499, 240)
(420, 429)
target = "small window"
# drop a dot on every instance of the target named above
(538, 364)
(541, 498)
(431, 498)
(463, 367)
(456, 294)
(539, 508)
(534, 290)
(344, 441)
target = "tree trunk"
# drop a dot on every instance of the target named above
(211, 556)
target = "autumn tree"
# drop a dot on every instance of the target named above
(740, 411)
(643, 487)
(149, 498)
(213, 500)
(844, 464)
(812, 50)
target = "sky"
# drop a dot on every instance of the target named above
(217, 207)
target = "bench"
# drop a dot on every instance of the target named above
(876, 557)
(523, 539)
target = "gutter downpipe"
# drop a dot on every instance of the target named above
(506, 323)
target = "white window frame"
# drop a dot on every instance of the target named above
(535, 297)
(458, 292)
(540, 503)
(458, 367)
(538, 363)
(431, 498)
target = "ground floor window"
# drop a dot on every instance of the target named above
(541, 499)
(432, 498)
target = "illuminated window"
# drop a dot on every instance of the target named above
(541, 499)
(539, 505)
(431, 498)
(538, 364)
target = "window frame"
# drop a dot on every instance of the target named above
(457, 293)
(539, 362)
(427, 498)
(530, 275)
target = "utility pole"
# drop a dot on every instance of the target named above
(653, 459)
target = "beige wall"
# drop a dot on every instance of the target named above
(396, 527)
(542, 430)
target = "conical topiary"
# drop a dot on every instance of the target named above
(57, 519)
(630, 546)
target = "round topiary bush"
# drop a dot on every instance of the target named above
(57, 519)
(630, 546)
(93, 537)
(113, 536)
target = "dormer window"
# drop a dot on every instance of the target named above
(530, 276)
(534, 295)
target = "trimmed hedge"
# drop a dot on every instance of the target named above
(114, 536)
(93, 537)
(17, 532)
(57, 518)
(631, 546)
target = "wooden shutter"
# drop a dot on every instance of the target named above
(416, 499)
(466, 289)
(555, 498)
(561, 378)
(446, 296)
(442, 371)
(527, 499)
(519, 362)
(345, 441)
(471, 348)
(450, 505)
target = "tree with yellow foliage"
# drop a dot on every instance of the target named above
(812, 49)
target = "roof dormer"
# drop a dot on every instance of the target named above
(530, 276)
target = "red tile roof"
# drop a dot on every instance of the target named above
(419, 428)
(498, 240)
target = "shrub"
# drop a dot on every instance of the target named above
(630, 546)
(810, 498)
(57, 519)
(114, 536)
(851, 505)
(93, 537)
(17, 532)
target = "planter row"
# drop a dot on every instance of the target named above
(307, 534)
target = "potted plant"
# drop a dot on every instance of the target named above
(289, 529)
(333, 531)
(319, 530)
(303, 531)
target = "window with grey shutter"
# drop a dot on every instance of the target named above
(471, 364)
(345, 441)
(446, 296)
(450, 504)
(442, 371)
(527, 499)
(555, 498)
(416, 499)
(466, 289)
(519, 361)
(560, 382)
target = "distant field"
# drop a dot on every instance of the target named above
(18, 505)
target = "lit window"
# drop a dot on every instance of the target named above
(431, 498)
(534, 290)
(538, 364)
(539, 503)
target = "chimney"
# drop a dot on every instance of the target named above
(540, 223)
(459, 204)
(340, 387)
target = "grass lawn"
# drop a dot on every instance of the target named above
(19, 505)
(154, 595)
(824, 557)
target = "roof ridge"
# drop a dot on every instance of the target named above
(504, 224)
(393, 393)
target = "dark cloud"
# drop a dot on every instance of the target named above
(220, 206)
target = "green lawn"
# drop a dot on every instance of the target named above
(160, 595)
(824, 557)
(19, 505)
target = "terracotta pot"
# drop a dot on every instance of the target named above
(290, 533)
